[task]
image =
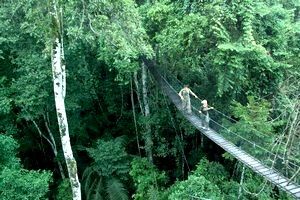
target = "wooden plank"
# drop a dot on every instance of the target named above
(237, 151)
(283, 182)
(273, 176)
(297, 195)
(256, 165)
(222, 143)
(290, 187)
(252, 162)
(234, 150)
(272, 172)
(228, 149)
(294, 191)
(283, 179)
(266, 174)
(264, 170)
(260, 167)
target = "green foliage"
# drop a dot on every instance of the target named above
(254, 116)
(233, 53)
(218, 176)
(115, 190)
(23, 184)
(5, 102)
(116, 28)
(157, 15)
(15, 182)
(254, 123)
(148, 180)
(227, 41)
(64, 191)
(103, 179)
(212, 171)
(110, 158)
(8, 148)
(194, 187)
(32, 88)
(180, 38)
(256, 185)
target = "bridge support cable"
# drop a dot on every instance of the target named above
(259, 146)
(223, 139)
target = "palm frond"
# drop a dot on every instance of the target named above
(123, 140)
(99, 190)
(87, 179)
(90, 190)
(115, 190)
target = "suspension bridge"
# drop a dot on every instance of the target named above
(266, 163)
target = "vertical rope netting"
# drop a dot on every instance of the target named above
(173, 124)
(134, 117)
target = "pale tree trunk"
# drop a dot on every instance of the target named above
(147, 134)
(59, 84)
(136, 82)
(134, 117)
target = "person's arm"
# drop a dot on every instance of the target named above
(201, 109)
(180, 94)
(193, 94)
(209, 108)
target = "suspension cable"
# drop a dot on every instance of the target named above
(262, 148)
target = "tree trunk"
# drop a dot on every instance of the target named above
(134, 117)
(241, 183)
(136, 82)
(59, 84)
(147, 135)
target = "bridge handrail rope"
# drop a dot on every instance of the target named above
(231, 119)
(243, 138)
(220, 124)
(262, 148)
(255, 160)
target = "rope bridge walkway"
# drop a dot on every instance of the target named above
(267, 163)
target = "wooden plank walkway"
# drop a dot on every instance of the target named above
(270, 174)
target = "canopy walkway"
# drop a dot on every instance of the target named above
(267, 164)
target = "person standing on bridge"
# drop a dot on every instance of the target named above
(204, 110)
(185, 97)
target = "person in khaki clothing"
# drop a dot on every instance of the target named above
(185, 97)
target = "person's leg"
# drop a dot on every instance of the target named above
(184, 104)
(207, 121)
(189, 108)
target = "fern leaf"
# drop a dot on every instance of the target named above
(115, 190)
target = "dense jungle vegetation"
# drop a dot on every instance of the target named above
(129, 141)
